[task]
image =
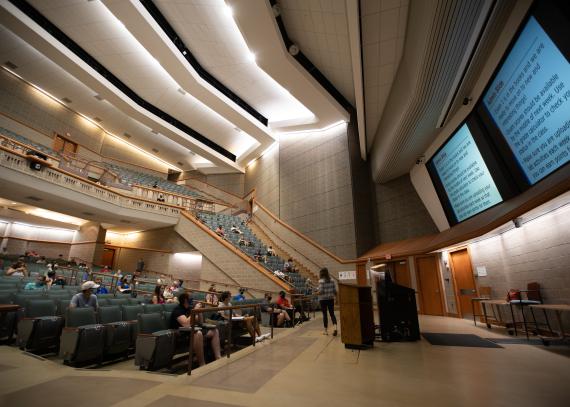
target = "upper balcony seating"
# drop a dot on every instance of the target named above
(126, 175)
(140, 178)
(24, 140)
(272, 263)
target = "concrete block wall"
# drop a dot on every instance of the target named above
(233, 183)
(310, 256)
(227, 260)
(401, 213)
(316, 189)
(263, 175)
(539, 251)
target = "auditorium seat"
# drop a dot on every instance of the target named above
(40, 329)
(8, 319)
(170, 307)
(82, 338)
(131, 315)
(153, 308)
(155, 344)
(118, 301)
(117, 331)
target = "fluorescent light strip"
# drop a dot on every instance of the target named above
(329, 127)
(42, 227)
(46, 93)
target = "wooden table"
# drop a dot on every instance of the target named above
(558, 309)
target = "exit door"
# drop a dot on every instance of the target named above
(464, 281)
(108, 257)
(429, 288)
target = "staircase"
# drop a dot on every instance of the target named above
(303, 270)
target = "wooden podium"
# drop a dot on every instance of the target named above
(356, 316)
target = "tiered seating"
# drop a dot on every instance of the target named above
(21, 139)
(273, 263)
(140, 178)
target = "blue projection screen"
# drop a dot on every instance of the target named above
(529, 101)
(467, 182)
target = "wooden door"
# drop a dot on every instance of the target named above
(464, 281)
(64, 145)
(429, 287)
(108, 257)
(402, 274)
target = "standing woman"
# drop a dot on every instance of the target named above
(327, 294)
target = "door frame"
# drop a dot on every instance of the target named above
(455, 288)
(115, 251)
(418, 283)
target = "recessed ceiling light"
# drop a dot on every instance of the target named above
(34, 198)
(228, 10)
(97, 119)
(10, 65)
(99, 97)
(180, 164)
(154, 131)
(13, 203)
(154, 150)
(180, 90)
(191, 152)
(127, 135)
(66, 100)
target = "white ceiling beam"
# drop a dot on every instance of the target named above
(353, 17)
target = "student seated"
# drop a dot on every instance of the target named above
(282, 318)
(212, 296)
(284, 304)
(158, 295)
(160, 198)
(85, 298)
(259, 257)
(250, 321)
(270, 251)
(39, 284)
(17, 269)
(101, 289)
(220, 231)
(41, 260)
(180, 317)
(124, 286)
(239, 296)
(235, 229)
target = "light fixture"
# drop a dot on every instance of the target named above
(518, 222)
(228, 10)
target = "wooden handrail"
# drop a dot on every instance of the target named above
(192, 198)
(302, 236)
(238, 252)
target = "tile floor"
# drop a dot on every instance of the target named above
(302, 367)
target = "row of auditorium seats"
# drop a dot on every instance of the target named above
(126, 175)
(140, 178)
(213, 220)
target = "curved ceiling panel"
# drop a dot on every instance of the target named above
(256, 22)
(210, 33)
(439, 33)
(95, 29)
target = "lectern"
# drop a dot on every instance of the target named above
(356, 316)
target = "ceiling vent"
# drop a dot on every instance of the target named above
(125, 221)
(154, 150)
(182, 91)
(191, 152)
(10, 65)
(34, 198)
(88, 213)
(99, 98)
(127, 135)
(154, 132)
(180, 164)
(97, 119)
(66, 100)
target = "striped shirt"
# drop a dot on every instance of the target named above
(327, 290)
